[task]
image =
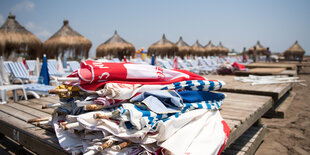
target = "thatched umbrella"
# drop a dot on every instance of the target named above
(67, 40)
(260, 49)
(184, 48)
(210, 49)
(115, 47)
(163, 48)
(14, 38)
(295, 52)
(198, 49)
(222, 50)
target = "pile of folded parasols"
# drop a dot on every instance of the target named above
(126, 108)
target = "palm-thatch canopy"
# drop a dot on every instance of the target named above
(163, 48)
(295, 52)
(198, 49)
(260, 49)
(210, 49)
(67, 40)
(222, 50)
(184, 48)
(115, 47)
(14, 38)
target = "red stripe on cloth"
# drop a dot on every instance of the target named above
(94, 75)
(227, 132)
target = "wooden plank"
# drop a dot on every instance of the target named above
(246, 119)
(51, 99)
(276, 91)
(266, 71)
(34, 104)
(17, 113)
(271, 65)
(286, 104)
(39, 140)
(28, 110)
(249, 142)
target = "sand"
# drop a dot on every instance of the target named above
(290, 135)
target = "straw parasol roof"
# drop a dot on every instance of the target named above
(116, 47)
(184, 48)
(67, 40)
(163, 48)
(259, 49)
(210, 49)
(294, 52)
(16, 38)
(222, 50)
(198, 49)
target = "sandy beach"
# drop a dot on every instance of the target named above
(291, 134)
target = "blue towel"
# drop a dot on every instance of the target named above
(160, 101)
(198, 96)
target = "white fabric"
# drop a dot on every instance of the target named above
(114, 128)
(202, 135)
(122, 91)
(66, 139)
(203, 129)
(60, 68)
(135, 71)
(37, 68)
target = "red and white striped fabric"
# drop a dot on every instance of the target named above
(94, 74)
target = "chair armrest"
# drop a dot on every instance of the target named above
(18, 79)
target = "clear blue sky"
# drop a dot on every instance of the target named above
(237, 23)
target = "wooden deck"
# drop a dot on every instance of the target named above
(248, 143)
(266, 71)
(239, 110)
(272, 65)
(278, 92)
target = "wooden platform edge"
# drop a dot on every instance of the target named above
(244, 126)
(18, 130)
(281, 109)
(249, 142)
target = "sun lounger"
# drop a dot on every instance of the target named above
(74, 65)
(31, 64)
(19, 71)
(14, 88)
(7, 67)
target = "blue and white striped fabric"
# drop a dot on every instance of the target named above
(31, 64)
(74, 65)
(52, 68)
(39, 88)
(6, 66)
(141, 117)
(200, 85)
(19, 70)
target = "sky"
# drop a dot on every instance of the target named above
(277, 24)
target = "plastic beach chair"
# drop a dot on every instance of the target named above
(8, 87)
(31, 64)
(74, 65)
(7, 67)
(14, 88)
(19, 71)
